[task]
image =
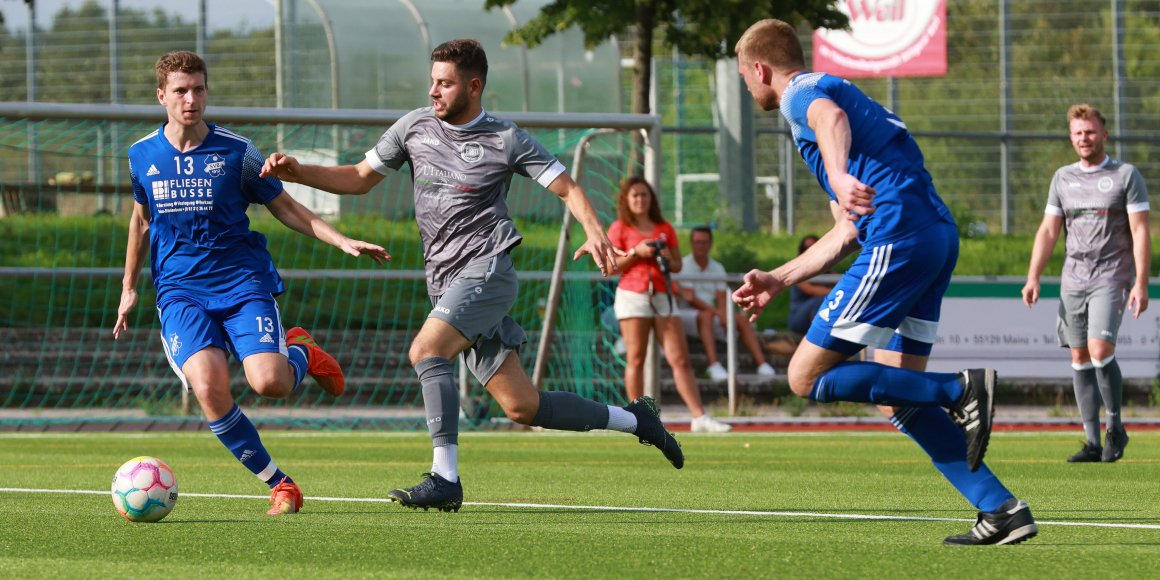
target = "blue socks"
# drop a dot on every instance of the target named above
(298, 363)
(868, 382)
(238, 434)
(943, 441)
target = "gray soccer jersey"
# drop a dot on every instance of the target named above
(461, 176)
(1095, 204)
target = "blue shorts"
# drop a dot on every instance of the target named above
(891, 296)
(241, 324)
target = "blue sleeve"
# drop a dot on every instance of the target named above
(138, 191)
(256, 189)
(795, 104)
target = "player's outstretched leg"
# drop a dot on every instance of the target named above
(650, 430)
(285, 498)
(1011, 524)
(325, 370)
(974, 411)
(432, 492)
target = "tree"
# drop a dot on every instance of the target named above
(707, 28)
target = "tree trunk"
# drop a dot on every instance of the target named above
(642, 79)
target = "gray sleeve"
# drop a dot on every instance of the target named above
(1135, 192)
(391, 150)
(530, 158)
(1054, 205)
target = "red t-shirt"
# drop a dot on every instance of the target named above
(636, 277)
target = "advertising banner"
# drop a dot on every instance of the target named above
(895, 38)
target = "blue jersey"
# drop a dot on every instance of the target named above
(199, 235)
(883, 155)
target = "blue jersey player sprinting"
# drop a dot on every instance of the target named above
(215, 280)
(884, 202)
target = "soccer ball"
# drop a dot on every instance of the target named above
(144, 489)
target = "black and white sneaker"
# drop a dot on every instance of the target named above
(432, 492)
(1010, 525)
(974, 411)
(1091, 452)
(650, 430)
(1114, 444)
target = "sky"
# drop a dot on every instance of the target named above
(230, 14)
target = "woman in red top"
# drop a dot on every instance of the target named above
(644, 300)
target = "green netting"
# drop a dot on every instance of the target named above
(62, 247)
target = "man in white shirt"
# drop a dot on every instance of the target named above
(703, 306)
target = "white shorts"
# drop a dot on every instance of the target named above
(640, 305)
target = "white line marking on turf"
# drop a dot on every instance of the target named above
(623, 509)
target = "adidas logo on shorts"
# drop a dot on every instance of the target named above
(267, 339)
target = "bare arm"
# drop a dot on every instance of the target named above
(342, 179)
(135, 252)
(296, 217)
(832, 129)
(597, 244)
(1045, 239)
(1142, 254)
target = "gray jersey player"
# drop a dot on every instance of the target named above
(462, 160)
(1104, 203)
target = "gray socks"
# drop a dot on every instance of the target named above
(440, 400)
(1087, 397)
(569, 412)
(1111, 383)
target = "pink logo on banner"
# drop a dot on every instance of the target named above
(899, 38)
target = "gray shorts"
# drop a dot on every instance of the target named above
(477, 305)
(1087, 314)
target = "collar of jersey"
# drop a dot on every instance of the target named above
(1103, 164)
(467, 125)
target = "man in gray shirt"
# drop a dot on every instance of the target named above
(1104, 203)
(462, 160)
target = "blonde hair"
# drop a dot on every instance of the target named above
(773, 42)
(1086, 112)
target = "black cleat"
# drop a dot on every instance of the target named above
(1091, 452)
(974, 412)
(1010, 525)
(1114, 444)
(651, 431)
(432, 492)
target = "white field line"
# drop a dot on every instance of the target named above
(836, 516)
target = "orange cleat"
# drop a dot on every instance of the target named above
(325, 370)
(285, 498)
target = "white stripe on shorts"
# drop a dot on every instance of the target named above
(879, 263)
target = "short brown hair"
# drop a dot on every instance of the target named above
(773, 42)
(466, 54)
(179, 61)
(654, 206)
(1086, 112)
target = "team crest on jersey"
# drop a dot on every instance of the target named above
(215, 165)
(471, 151)
(1104, 184)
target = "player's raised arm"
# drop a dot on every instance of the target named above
(341, 179)
(300, 219)
(135, 252)
(597, 245)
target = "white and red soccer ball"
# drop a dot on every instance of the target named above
(144, 489)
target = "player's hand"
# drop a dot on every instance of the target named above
(1031, 292)
(361, 248)
(757, 292)
(602, 252)
(855, 197)
(281, 166)
(128, 302)
(1138, 299)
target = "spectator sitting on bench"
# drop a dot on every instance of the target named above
(703, 306)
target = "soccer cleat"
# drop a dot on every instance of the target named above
(974, 411)
(650, 430)
(285, 498)
(1090, 452)
(1010, 525)
(707, 424)
(1114, 444)
(320, 365)
(432, 492)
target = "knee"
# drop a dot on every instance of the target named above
(1101, 354)
(418, 352)
(271, 386)
(522, 410)
(800, 381)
